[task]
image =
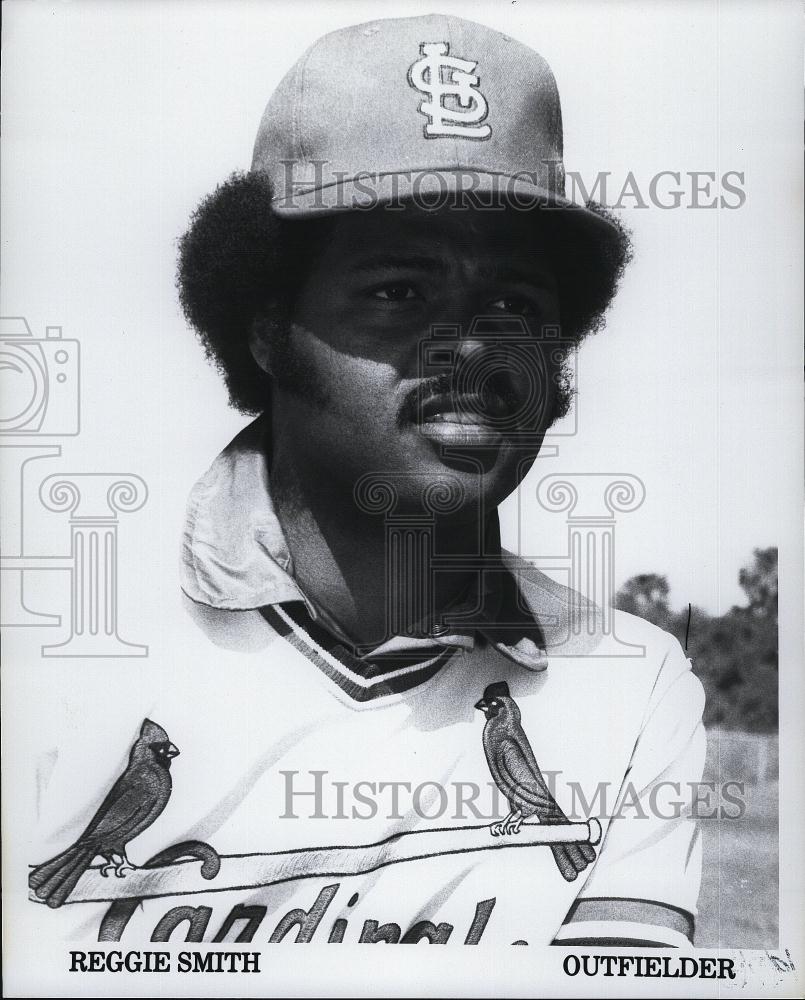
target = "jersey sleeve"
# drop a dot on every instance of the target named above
(645, 884)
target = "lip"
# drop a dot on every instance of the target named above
(461, 419)
(453, 432)
(469, 407)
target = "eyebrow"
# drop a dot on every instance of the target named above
(505, 272)
(518, 275)
(390, 262)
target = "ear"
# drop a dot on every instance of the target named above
(260, 344)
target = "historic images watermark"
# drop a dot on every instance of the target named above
(465, 187)
(319, 794)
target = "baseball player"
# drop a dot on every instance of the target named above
(432, 731)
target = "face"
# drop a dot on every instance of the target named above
(491, 709)
(419, 336)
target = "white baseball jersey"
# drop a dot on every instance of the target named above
(327, 797)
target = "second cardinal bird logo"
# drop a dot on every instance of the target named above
(515, 771)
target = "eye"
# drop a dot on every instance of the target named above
(395, 293)
(514, 305)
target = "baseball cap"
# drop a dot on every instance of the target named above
(424, 108)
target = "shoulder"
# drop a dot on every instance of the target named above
(575, 625)
(617, 660)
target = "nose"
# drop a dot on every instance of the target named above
(495, 355)
(459, 311)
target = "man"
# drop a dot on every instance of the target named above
(395, 288)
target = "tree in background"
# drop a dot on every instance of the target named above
(735, 655)
(646, 595)
(759, 583)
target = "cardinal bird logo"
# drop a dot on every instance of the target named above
(515, 771)
(133, 803)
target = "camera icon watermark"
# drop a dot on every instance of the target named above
(40, 378)
(40, 396)
(499, 374)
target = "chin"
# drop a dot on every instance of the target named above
(475, 481)
(416, 475)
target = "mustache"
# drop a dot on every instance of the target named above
(496, 396)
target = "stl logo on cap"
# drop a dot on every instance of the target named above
(469, 108)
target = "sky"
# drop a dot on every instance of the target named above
(119, 117)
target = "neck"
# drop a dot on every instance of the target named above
(341, 554)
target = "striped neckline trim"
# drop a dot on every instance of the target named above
(364, 679)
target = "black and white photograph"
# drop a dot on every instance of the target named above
(402, 498)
